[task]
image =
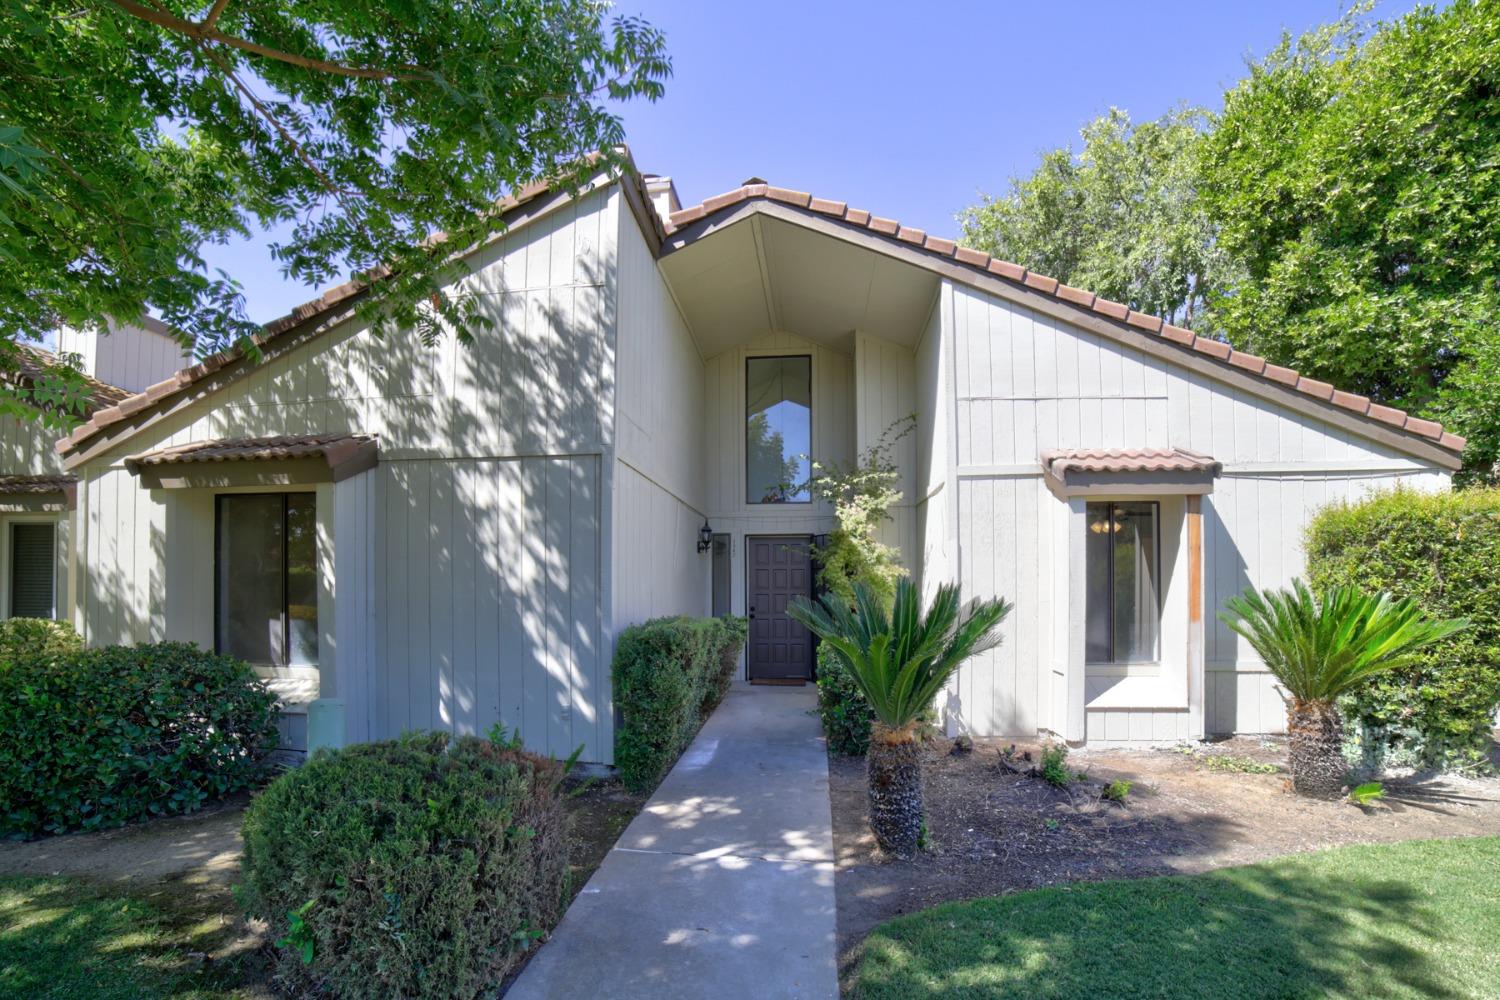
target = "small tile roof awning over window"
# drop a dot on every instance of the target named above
(33, 493)
(1133, 471)
(343, 454)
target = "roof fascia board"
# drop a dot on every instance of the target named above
(1118, 331)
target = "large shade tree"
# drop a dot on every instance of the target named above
(1121, 217)
(1355, 176)
(132, 133)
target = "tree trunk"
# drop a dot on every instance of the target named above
(1316, 755)
(895, 786)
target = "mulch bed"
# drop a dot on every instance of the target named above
(994, 828)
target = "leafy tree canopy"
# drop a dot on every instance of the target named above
(1340, 215)
(1121, 218)
(132, 133)
(1355, 175)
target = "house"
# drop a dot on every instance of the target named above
(451, 537)
(36, 494)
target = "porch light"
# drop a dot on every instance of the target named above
(705, 537)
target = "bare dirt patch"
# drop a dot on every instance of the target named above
(993, 829)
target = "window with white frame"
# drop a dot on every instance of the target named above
(1123, 569)
(33, 569)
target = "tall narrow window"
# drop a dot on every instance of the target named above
(33, 565)
(267, 578)
(1123, 614)
(778, 429)
(721, 575)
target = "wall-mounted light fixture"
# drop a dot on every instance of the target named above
(705, 537)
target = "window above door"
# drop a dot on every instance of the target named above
(778, 429)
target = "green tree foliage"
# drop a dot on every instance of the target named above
(131, 133)
(1340, 215)
(1355, 175)
(1121, 218)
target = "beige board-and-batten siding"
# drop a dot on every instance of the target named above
(1023, 382)
(464, 573)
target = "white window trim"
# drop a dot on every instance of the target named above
(7, 521)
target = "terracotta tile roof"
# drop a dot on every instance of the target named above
(35, 485)
(333, 447)
(31, 360)
(1126, 460)
(1076, 297)
(328, 304)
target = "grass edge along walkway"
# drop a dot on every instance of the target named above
(1416, 919)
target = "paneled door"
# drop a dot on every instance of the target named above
(780, 568)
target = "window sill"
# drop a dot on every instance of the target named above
(1122, 669)
(1133, 692)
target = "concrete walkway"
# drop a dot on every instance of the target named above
(723, 886)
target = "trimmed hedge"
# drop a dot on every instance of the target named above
(1444, 550)
(102, 737)
(845, 712)
(27, 637)
(669, 673)
(416, 867)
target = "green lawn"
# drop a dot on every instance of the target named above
(1419, 919)
(63, 939)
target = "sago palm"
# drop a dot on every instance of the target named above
(900, 661)
(1323, 648)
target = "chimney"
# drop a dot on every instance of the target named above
(663, 194)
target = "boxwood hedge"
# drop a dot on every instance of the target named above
(417, 867)
(1444, 550)
(669, 673)
(101, 737)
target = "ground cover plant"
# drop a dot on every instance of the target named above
(1417, 919)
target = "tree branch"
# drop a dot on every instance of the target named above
(213, 14)
(206, 32)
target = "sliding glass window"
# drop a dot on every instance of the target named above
(266, 578)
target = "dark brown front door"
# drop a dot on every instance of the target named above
(780, 568)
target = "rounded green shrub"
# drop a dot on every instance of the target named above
(1443, 550)
(668, 674)
(102, 737)
(25, 637)
(417, 867)
(845, 712)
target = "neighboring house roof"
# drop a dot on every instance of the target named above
(33, 359)
(1123, 460)
(343, 453)
(35, 485)
(698, 221)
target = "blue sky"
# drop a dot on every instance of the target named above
(906, 109)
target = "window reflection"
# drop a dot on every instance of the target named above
(778, 429)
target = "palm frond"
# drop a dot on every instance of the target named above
(902, 660)
(1321, 648)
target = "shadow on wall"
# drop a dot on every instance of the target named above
(487, 567)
